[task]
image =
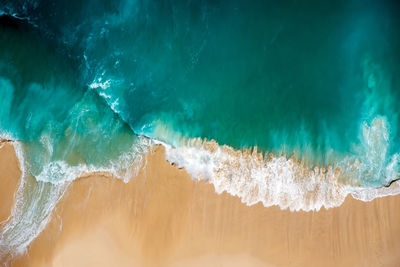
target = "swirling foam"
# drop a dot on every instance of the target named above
(36, 197)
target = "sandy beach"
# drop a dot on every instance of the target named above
(9, 175)
(164, 218)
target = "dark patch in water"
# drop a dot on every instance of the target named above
(7, 21)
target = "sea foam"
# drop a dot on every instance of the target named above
(37, 197)
(288, 182)
(254, 177)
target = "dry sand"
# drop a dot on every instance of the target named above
(163, 218)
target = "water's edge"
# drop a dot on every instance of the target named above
(36, 200)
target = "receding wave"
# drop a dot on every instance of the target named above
(252, 176)
(37, 196)
(289, 182)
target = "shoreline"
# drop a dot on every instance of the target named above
(164, 218)
(279, 180)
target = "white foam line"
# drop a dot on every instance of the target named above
(369, 194)
(36, 199)
(275, 181)
(278, 181)
(285, 182)
(247, 177)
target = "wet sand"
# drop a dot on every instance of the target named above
(164, 218)
(9, 178)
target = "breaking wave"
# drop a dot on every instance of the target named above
(290, 182)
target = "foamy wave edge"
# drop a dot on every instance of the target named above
(273, 180)
(247, 174)
(35, 200)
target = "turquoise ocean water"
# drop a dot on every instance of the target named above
(81, 83)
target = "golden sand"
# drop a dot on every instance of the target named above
(9, 177)
(164, 218)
